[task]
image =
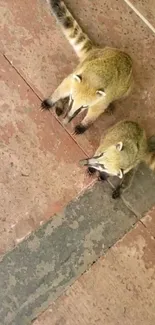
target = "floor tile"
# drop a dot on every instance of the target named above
(34, 43)
(119, 289)
(39, 171)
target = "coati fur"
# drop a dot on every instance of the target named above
(102, 76)
(120, 152)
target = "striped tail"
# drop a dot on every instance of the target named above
(73, 32)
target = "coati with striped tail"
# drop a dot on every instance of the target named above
(102, 76)
(121, 150)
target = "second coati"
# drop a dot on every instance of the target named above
(122, 149)
(102, 76)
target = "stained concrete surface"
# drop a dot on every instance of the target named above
(118, 290)
(41, 267)
(140, 196)
(36, 58)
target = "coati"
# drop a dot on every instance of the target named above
(102, 76)
(121, 150)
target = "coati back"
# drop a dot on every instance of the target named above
(121, 150)
(102, 76)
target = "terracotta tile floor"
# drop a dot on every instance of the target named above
(39, 170)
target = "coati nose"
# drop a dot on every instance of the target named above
(88, 161)
(91, 161)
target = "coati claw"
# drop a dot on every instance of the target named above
(46, 105)
(79, 129)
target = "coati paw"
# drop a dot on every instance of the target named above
(59, 111)
(116, 193)
(91, 171)
(46, 104)
(79, 129)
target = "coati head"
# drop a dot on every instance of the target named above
(108, 161)
(83, 94)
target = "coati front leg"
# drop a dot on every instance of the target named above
(124, 183)
(59, 95)
(93, 113)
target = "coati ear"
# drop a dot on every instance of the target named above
(119, 146)
(77, 77)
(101, 92)
(120, 173)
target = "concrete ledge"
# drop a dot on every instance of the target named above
(141, 195)
(40, 268)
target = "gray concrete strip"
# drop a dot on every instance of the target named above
(40, 268)
(141, 195)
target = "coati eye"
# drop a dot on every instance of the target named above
(77, 77)
(101, 92)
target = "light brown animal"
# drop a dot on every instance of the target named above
(120, 152)
(102, 76)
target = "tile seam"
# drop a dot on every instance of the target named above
(149, 232)
(137, 12)
(35, 93)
